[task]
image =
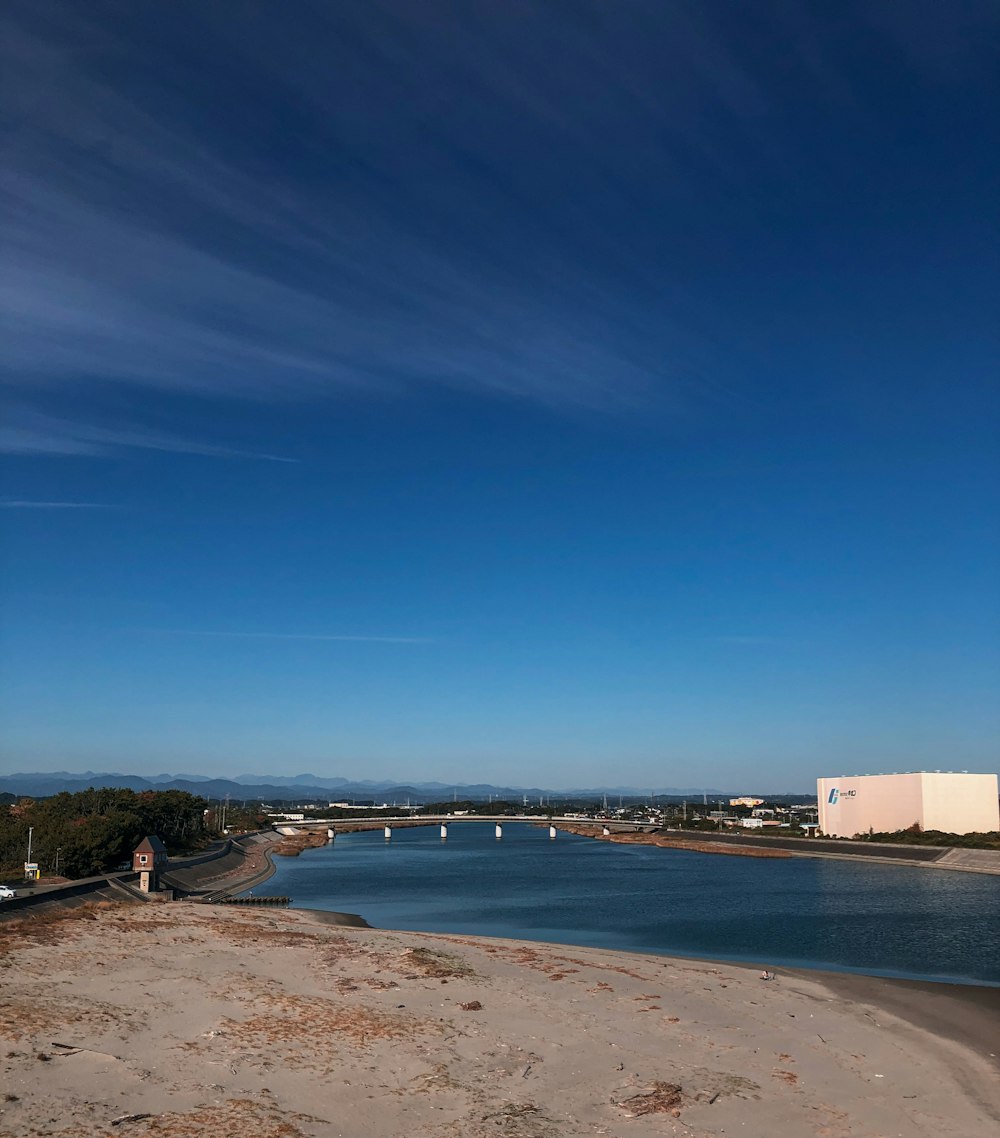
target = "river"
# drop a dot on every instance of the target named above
(878, 919)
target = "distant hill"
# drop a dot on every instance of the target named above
(42, 785)
(313, 780)
(470, 790)
(306, 787)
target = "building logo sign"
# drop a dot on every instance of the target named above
(835, 795)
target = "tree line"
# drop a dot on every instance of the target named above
(915, 836)
(92, 831)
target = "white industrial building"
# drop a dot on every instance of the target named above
(933, 800)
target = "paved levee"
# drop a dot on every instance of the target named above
(200, 875)
(983, 861)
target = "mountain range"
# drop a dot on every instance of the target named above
(309, 787)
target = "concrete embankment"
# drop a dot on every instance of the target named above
(73, 894)
(230, 866)
(242, 863)
(927, 857)
(978, 861)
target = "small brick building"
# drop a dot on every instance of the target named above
(148, 858)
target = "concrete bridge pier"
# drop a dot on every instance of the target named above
(606, 831)
(444, 831)
(552, 833)
(499, 831)
(331, 833)
(388, 832)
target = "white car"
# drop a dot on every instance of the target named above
(6, 893)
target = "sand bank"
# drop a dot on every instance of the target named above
(189, 1020)
(671, 841)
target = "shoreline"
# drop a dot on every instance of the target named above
(805, 969)
(665, 841)
(966, 1014)
(964, 1011)
(293, 1026)
(356, 920)
(955, 859)
(962, 1015)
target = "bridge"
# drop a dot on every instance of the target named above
(353, 825)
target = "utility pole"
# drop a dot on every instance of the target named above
(58, 852)
(30, 831)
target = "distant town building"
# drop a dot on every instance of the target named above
(956, 803)
(745, 800)
(148, 858)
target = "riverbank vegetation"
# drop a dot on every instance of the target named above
(914, 836)
(92, 831)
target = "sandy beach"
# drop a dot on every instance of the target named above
(187, 1020)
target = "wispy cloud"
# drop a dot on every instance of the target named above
(20, 504)
(152, 241)
(738, 641)
(350, 639)
(30, 432)
(413, 205)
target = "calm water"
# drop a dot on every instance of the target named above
(890, 920)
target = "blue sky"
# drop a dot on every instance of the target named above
(559, 394)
